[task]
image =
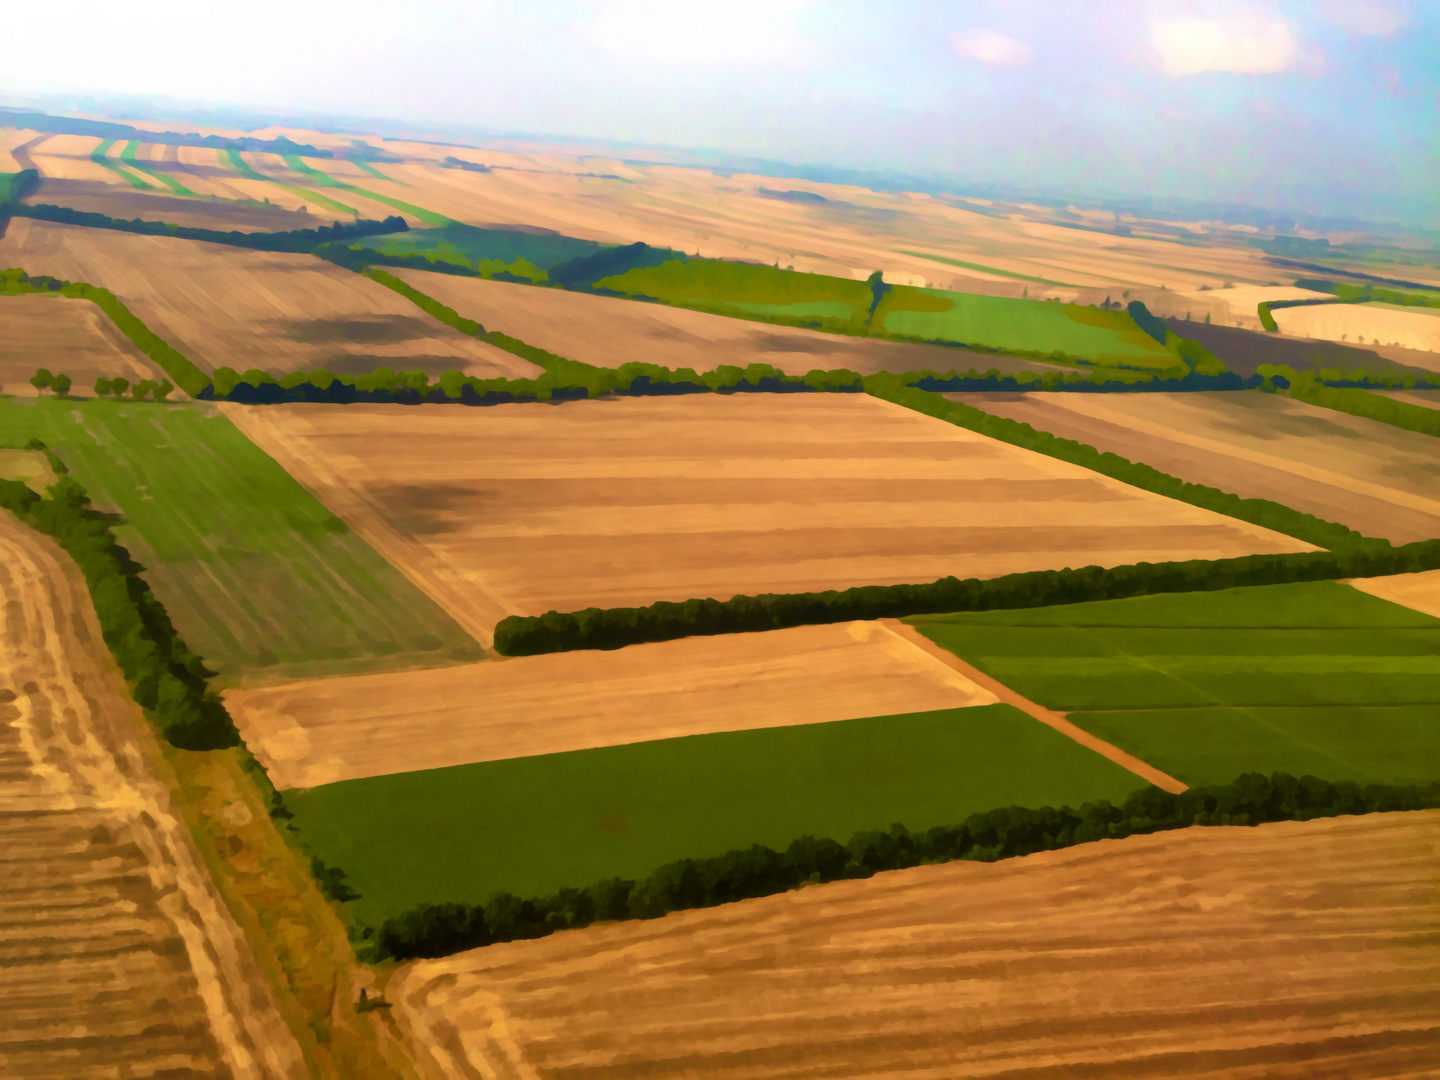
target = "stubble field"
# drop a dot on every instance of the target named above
(1363, 324)
(243, 309)
(520, 509)
(1211, 952)
(1373, 477)
(73, 337)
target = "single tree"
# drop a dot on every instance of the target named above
(103, 387)
(61, 384)
(119, 385)
(163, 390)
(41, 379)
(142, 388)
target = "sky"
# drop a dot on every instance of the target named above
(1326, 108)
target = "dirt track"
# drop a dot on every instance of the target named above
(1294, 951)
(117, 956)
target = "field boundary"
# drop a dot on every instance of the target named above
(1057, 720)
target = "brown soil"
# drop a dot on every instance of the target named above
(616, 503)
(71, 337)
(117, 956)
(1372, 477)
(228, 306)
(1291, 951)
(1243, 351)
(317, 732)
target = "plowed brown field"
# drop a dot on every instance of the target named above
(608, 332)
(117, 956)
(1293, 951)
(244, 309)
(73, 337)
(613, 503)
(320, 731)
(1375, 478)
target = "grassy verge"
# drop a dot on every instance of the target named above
(429, 217)
(101, 156)
(240, 165)
(130, 155)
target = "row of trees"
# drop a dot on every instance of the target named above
(43, 380)
(432, 930)
(143, 388)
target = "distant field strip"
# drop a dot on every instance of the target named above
(238, 162)
(983, 269)
(1209, 953)
(1370, 476)
(257, 576)
(101, 156)
(318, 732)
(129, 156)
(1315, 678)
(310, 172)
(533, 825)
(521, 509)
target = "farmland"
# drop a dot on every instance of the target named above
(73, 337)
(1363, 323)
(528, 508)
(566, 323)
(1419, 591)
(221, 306)
(321, 731)
(625, 810)
(256, 575)
(1234, 953)
(1373, 477)
(1316, 679)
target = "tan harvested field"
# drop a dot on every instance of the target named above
(1362, 323)
(244, 309)
(1418, 591)
(324, 730)
(67, 157)
(1291, 951)
(1235, 306)
(608, 332)
(30, 466)
(1375, 478)
(10, 139)
(118, 957)
(73, 337)
(518, 509)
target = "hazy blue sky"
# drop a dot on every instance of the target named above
(1327, 107)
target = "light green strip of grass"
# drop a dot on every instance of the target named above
(428, 216)
(362, 164)
(537, 824)
(129, 155)
(240, 164)
(986, 269)
(100, 155)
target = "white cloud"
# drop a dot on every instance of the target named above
(1379, 18)
(711, 32)
(1252, 43)
(990, 47)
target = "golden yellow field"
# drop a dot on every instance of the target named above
(1362, 324)
(523, 508)
(1418, 591)
(324, 730)
(608, 332)
(243, 309)
(118, 956)
(1234, 306)
(73, 337)
(10, 139)
(1285, 952)
(1375, 478)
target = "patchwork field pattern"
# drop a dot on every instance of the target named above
(71, 337)
(1373, 477)
(521, 509)
(321, 731)
(256, 574)
(1216, 954)
(533, 825)
(1311, 679)
(242, 309)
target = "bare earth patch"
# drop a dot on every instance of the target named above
(321, 731)
(1373, 477)
(117, 955)
(521, 509)
(1287, 951)
(71, 337)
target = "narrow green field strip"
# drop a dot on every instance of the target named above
(101, 156)
(130, 156)
(244, 168)
(360, 163)
(256, 574)
(535, 825)
(428, 216)
(986, 269)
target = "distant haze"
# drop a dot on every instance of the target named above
(1320, 108)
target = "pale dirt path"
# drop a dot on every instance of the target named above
(116, 951)
(1291, 951)
(1046, 716)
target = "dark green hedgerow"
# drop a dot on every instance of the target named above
(440, 929)
(1358, 402)
(167, 678)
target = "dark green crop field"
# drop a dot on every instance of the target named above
(534, 825)
(257, 575)
(1314, 678)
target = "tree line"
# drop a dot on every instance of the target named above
(1356, 402)
(432, 930)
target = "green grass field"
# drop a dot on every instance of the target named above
(1311, 678)
(489, 251)
(258, 577)
(534, 825)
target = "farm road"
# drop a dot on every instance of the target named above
(117, 955)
